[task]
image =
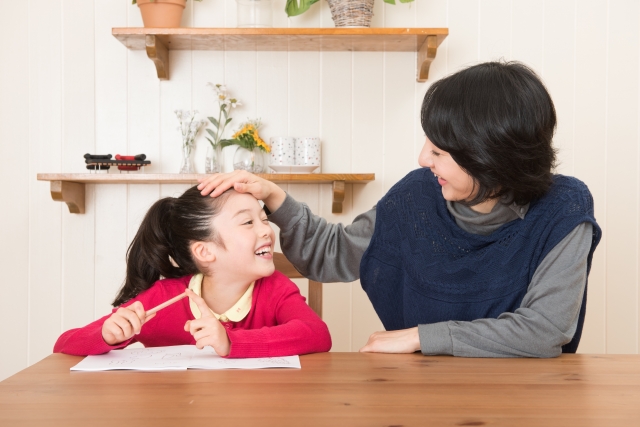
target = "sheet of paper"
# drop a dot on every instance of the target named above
(178, 357)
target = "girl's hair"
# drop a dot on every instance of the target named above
(166, 233)
(497, 121)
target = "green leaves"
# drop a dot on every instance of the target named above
(294, 9)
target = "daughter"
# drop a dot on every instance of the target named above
(221, 250)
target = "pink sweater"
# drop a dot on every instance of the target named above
(280, 323)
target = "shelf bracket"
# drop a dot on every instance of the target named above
(338, 196)
(72, 193)
(426, 55)
(159, 54)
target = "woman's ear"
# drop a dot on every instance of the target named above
(203, 252)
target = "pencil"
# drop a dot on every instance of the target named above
(166, 303)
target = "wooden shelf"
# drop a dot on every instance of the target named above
(159, 41)
(69, 187)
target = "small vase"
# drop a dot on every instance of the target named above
(249, 160)
(254, 14)
(213, 159)
(187, 164)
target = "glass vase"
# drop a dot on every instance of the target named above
(213, 159)
(254, 13)
(187, 164)
(249, 160)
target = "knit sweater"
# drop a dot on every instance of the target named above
(546, 319)
(422, 268)
(280, 323)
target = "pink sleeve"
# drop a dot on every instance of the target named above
(88, 339)
(299, 329)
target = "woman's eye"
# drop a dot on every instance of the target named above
(435, 153)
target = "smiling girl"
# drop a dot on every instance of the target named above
(221, 250)
(483, 251)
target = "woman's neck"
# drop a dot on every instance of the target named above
(484, 207)
(221, 294)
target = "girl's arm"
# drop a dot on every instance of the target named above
(299, 329)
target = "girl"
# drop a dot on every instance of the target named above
(483, 252)
(222, 251)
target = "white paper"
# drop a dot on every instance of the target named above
(177, 358)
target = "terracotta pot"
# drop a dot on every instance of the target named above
(161, 13)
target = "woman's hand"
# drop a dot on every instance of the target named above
(124, 323)
(243, 182)
(401, 341)
(207, 330)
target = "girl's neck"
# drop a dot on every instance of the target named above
(220, 294)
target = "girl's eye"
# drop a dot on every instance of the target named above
(248, 222)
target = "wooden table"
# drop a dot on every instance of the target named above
(335, 389)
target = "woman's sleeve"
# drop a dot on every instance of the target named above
(299, 329)
(546, 320)
(319, 250)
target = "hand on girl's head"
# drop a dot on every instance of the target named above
(207, 330)
(124, 323)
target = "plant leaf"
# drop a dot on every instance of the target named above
(391, 1)
(293, 9)
(406, 1)
(228, 120)
(214, 121)
(210, 132)
(227, 142)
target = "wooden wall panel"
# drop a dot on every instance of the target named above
(78, 138)
(590, 150)
(45, 142)
(622, 191)
(14, 227)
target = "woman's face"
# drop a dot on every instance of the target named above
(457, 185)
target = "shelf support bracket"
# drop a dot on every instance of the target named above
(159, 54)
(426, 55)
(72, 193)
(338, 196)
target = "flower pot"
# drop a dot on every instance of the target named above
(161, 13)
(351, 13)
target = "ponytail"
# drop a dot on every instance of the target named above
(166, 233)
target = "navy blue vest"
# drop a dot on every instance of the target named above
(421, 268)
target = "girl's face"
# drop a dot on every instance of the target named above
(248, 239)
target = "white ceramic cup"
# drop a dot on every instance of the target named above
(308, 151)
(282, 151)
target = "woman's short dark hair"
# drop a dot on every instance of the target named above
(497, 121)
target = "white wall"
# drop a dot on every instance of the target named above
(68, 87)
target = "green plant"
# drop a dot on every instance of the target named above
(293, 8)
(225, 105)
(247, 137)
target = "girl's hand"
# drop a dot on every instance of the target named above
(124, 323)
(243, 182)
(207, 330)
(402, 341)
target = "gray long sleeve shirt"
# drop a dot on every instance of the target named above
(547, 317)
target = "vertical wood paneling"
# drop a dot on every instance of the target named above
(14, 227)
(94, 95)
(622, 190)
(45, 142)
(495, 30)
(78, 137)
(558, 75)
(590, 150)
(366, 156)
(111, 93)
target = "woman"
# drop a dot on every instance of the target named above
(481, 253)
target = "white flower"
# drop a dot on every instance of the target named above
(233, 103)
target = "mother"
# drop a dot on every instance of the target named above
(483, 252)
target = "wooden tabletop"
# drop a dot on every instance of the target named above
(335, 389)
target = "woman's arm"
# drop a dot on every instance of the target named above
(319, 250)
(546, 320)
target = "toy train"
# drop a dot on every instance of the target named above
(124, 163)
